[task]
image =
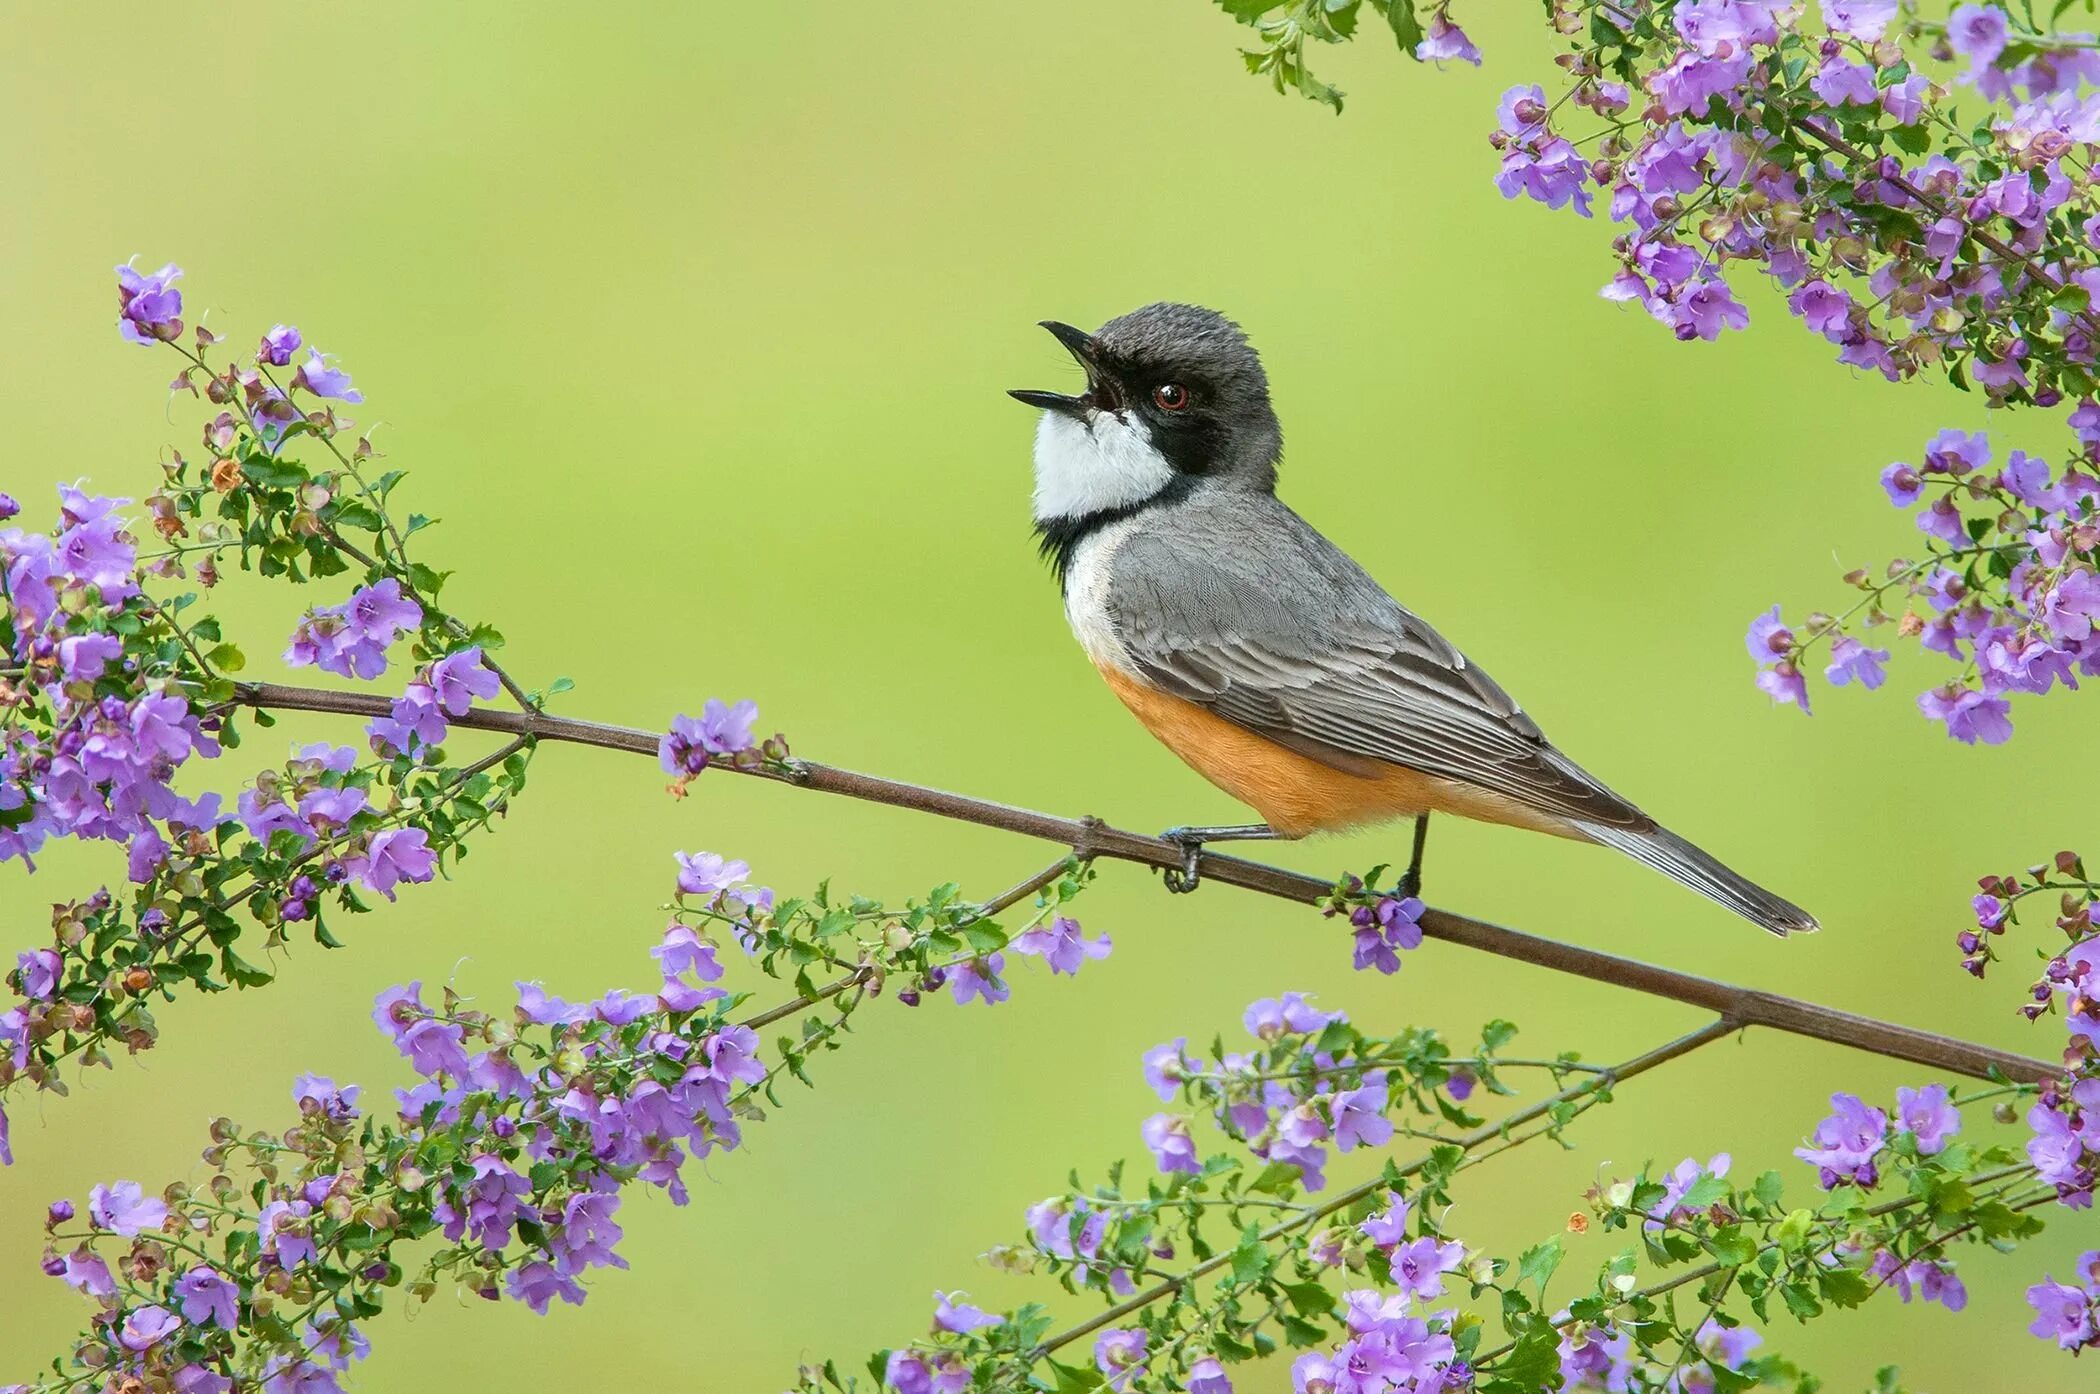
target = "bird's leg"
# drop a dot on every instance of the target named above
(1411, 879)
(1186, 878)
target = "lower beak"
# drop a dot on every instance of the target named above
(1100, 391)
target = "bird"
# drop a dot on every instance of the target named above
(1258, 651)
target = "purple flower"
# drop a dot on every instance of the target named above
(1703, 311)
(1846, 1143)
(147, 1327)
(538, 1284)
(1850, 660)
(487, 1205)
(1061, 945)
(2062, 1314)
(2072, 606)
(684, 951)
(1841, 82)
(1382, 930)
(979, 978)
(1165, 1067)
(2056, 1149)
(1359, 1118)
(84, 1271)
(282, 1231)
(906, 1372)
(1419, 1267)
(1207, 1376)
(732, 1056)
(1957, 452)
(124, 1209)
(1388, 1228)
(705, 873)
(394, 855)
(1446, 40)
(39, 971)
(351, 639)
(457, 679)
(1167, 1135)
(1970, 716)
(719, 730)
(149, 308)
(1823, 308)
(1294, 1013)
(960, 1317)
(586, 1236)
(1977, 33)
(1927, 1115)
(338, 1105)
(1784, 684)
(1119, 1353)
(85, 657)
(1769, 639)
(317, 377)
(278, 346)
(206, 1296)
(1866, 20)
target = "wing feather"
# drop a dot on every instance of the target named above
(1324, 661)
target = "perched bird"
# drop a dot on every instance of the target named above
(1257, 651)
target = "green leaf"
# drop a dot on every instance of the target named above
(273, 472)
(239, 970)
(1250, 1260)
(984, 936)
(1843, 1287)
(1071, 1379)
(1308, 1299)
(1704, 1192)
(1536, 1264)
(227, 658)
(1407, 26)
(1732, 1246)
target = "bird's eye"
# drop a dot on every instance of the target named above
(1171, 396)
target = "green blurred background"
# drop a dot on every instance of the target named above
(693, 323)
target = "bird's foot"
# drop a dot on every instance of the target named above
(1410, 883)
(1186, 877)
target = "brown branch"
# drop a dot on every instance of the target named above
(1089, 837)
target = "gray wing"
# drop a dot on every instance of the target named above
(1272, 627)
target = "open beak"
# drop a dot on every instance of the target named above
(1100, 389)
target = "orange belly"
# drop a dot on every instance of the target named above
(1297, 794)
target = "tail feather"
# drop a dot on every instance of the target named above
(1682, 862)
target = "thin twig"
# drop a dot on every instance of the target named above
(1641, 1064)
(1089, 837)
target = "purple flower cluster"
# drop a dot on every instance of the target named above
(1287, 1102)
(1382, 926)
(1691, 167)
(1601, 1356)
(103, 764)
(694, 741)
(2067, 1315)
(1388, 1349)
(2008, 588)
(1846, 1147)
(351, 639)
(446, 687)
(149, 308)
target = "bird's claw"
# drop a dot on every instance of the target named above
(1410, 883)
(1186, 877)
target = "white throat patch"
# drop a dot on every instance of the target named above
(1083, 467)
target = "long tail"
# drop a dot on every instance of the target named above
(1680, 861)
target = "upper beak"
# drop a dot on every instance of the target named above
(1100, 391)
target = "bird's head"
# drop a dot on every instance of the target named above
(1173, 393)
